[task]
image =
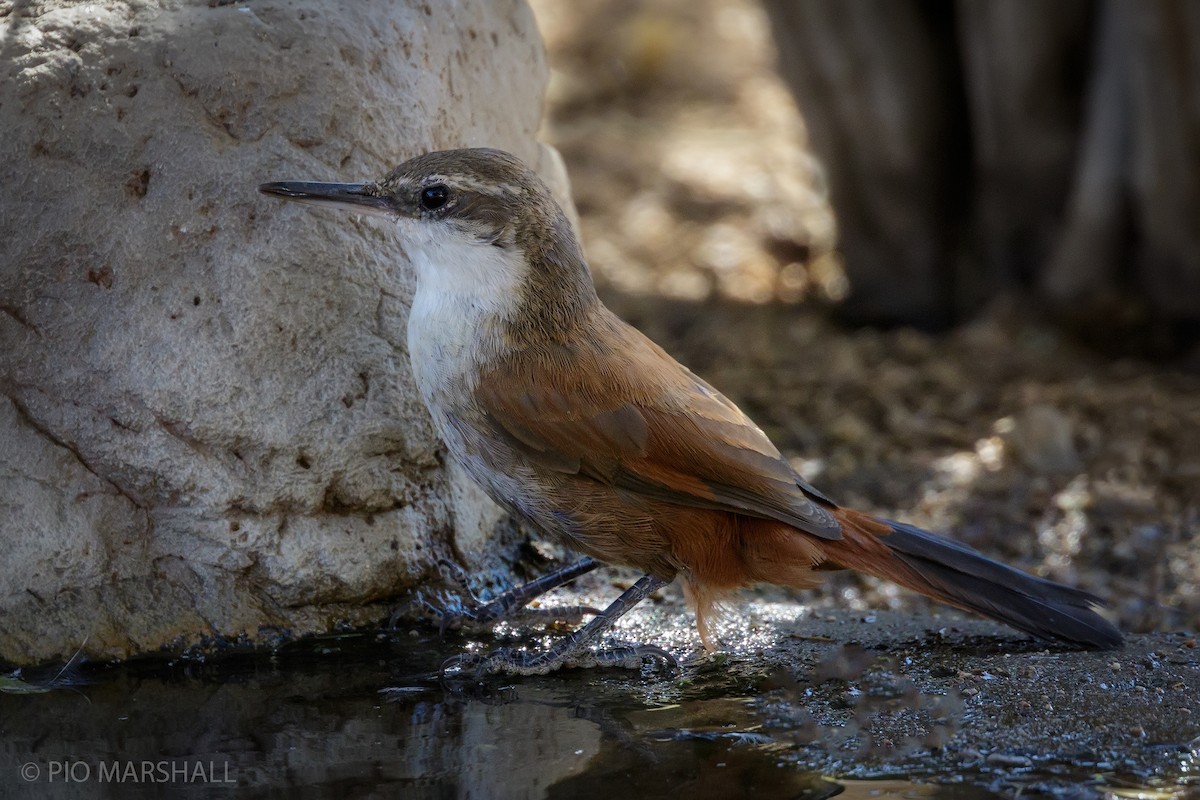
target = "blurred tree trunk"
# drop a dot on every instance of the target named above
(878, 85)
(974, 146)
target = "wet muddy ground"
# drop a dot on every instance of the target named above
(799, 703)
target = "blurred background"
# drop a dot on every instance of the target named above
(945, 253)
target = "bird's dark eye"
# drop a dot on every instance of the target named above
(434, 197)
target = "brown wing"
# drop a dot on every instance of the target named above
(614, 407)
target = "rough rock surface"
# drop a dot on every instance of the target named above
(207, 425)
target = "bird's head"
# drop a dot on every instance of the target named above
(473, 221)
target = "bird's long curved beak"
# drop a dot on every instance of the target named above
(361, 197)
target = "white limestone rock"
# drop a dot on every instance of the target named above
(207, 423)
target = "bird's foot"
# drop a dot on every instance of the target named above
(456, 611)
(573, 651)
(450, 611)
(510, 661)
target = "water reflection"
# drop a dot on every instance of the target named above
(310, 721)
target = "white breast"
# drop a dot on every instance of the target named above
(466, 295)
(466, 292)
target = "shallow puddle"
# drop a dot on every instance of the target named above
(310, 720)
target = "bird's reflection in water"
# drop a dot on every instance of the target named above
(310, 716)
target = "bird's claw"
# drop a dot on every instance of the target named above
(511, 661)
(634, 656)
(449, 610)
(503, 659)
(455, 611)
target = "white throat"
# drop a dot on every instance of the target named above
(466, 292)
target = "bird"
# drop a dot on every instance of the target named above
(586, 430)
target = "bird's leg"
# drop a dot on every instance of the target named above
(571, 650)
(455, 613)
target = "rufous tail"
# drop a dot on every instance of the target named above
(959, 576)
